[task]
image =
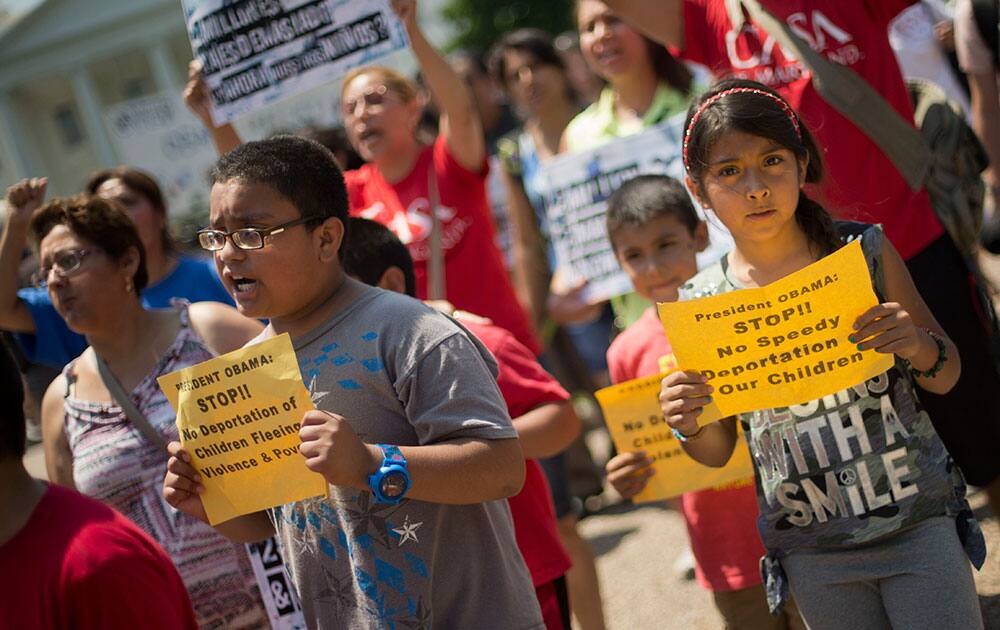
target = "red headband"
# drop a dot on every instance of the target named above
(785, 107)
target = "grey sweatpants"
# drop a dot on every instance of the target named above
(919, 578)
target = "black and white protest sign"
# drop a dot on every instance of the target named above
(578, 186)
(257, 51)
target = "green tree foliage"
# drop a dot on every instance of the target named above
(479, 23)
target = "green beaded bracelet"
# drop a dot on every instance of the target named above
(941, 357)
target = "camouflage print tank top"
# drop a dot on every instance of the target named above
(851, 467)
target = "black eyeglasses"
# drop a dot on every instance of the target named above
(65, 264)
(245, 238)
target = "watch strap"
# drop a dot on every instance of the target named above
(391, 454)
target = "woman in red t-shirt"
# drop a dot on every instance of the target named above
(404, 179)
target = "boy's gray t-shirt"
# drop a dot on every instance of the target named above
(401, 373)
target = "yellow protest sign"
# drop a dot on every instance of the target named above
(782, 344)
(632, 412)
(238, 416)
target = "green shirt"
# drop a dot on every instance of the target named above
(598, 124)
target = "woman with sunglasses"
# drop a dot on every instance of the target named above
(40, 331)
(93, 264)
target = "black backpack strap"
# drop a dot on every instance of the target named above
(987, 16)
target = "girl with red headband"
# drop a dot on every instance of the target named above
(867, 530)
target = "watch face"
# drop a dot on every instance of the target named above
(393, 485)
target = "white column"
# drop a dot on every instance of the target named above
(93, 122)
(164, 70)
(26, 162)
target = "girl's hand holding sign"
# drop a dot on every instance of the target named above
(682, 398)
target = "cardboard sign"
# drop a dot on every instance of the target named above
(782, 344)
(577, 187)
(238, 416)
(258, 51)
(633, 415)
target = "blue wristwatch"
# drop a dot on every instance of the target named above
(391, 481)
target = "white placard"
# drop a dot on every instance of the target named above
(578, 186)
(255, 52)
(160, 136)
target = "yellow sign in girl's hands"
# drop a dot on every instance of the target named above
(781, 344)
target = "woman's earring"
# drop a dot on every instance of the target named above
(129, 287)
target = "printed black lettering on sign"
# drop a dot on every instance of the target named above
(239, 31)
(270, 557)
(330, 45)
(282, 595)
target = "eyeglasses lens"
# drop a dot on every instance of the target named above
(212, 241)
(65, 264)
(248, 239)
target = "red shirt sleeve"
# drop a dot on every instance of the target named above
(450, 171)
(523, 382)
(699, 47)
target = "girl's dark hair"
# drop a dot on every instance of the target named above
(101, 222)
(142, 183)
(761, 116)
(647, 197)
(667, 68)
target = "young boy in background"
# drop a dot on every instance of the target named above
(545, 421)
(656, 234)
(410, 429)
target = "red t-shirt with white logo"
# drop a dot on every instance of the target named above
(475, 277)
(721, 522)
(861, 183)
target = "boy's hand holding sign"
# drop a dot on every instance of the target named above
(239, 419)
(632, 412)
(782, 344)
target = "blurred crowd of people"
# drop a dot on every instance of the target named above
(442, 198)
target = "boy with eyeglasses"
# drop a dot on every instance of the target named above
(410, 429)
